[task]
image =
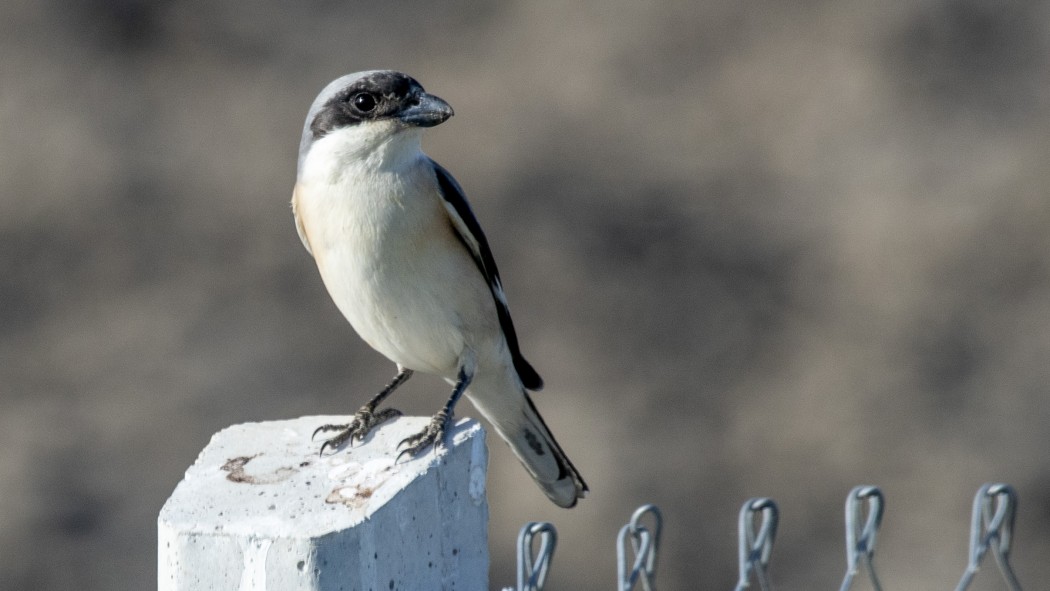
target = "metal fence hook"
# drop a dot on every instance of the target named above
(644, 543)
(991, 528)
(756, 546)
(533, 568)
(861, 537)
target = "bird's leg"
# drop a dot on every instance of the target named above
(366, 418)
(434, 432)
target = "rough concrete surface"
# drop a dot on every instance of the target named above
(259, 509)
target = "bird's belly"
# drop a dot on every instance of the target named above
(415, 304)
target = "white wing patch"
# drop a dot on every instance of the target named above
(497, 289)
(463, 230)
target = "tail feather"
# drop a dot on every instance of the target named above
(539, 447)
(522, 427)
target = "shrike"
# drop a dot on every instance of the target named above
(406, 262)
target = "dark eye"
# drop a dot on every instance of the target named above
(364, 102)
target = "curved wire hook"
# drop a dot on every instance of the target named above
(644, 543)
(533, 568)
(756, 546)
(860, 538)
(992, 529)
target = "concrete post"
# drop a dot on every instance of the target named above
(259, 510)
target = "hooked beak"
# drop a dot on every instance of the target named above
(428, 111)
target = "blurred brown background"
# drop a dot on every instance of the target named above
(754, 248)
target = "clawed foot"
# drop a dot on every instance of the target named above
(364, 421)
(433, 434)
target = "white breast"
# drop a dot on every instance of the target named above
(388, 255)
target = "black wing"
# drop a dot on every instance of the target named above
(469, 232)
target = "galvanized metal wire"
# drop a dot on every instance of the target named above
(533, 568)
(991, 530)
(755, 545)
(644, 543)
(861, 534)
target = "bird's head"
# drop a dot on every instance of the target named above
(370, 108)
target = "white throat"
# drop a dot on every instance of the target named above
(380, 146)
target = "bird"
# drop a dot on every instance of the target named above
(405, 260)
